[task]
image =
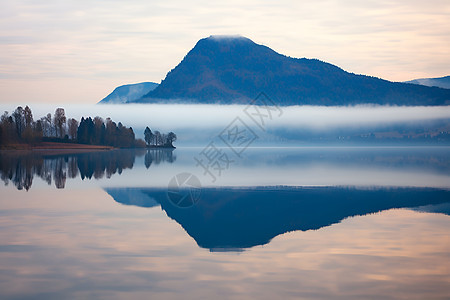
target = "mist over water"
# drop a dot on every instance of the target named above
(167, 116)
(196, 124)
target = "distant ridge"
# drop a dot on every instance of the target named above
(234, 69)
(442, 82)
(129, 92)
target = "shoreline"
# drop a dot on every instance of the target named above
(152, 147)
(54, 146)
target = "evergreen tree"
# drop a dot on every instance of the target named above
(19, 120)
(148, 136)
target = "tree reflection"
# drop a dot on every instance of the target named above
(156, 156)
(20, 168)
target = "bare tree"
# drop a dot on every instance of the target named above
(38, 130)
(72, 125)
(171, 137)
(27, 133)
(47, 125)
(28, 116)
(60, 120)
(158, 138)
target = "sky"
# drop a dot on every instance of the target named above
(78, 51)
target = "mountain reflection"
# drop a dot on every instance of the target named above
(20, 168)
(229, 219)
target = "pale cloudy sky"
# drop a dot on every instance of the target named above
(62, 51)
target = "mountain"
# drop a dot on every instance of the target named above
(226, 219)
(442, 82)
(234, 69)
(129, 92)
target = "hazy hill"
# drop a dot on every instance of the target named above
(442, 82)
(129, 92)
(223, 69)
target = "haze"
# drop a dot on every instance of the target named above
(202, 122)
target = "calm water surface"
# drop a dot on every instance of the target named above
(311, 223)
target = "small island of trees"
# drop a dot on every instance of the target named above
(157, 139)
(19, 130)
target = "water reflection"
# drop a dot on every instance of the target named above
(362, 167)
(322, 242)
(21, 167)
(156, 156)
(227, 219)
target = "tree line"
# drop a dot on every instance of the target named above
(20, 127)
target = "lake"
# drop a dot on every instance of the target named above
(202, 223)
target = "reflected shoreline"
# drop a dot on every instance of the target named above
(319, 166)
(57, 166)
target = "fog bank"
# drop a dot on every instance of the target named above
(197, 124)
(196, 116)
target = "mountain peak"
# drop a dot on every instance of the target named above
(224, 43)
(225, 37)
(128, 93)
(232, 69)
